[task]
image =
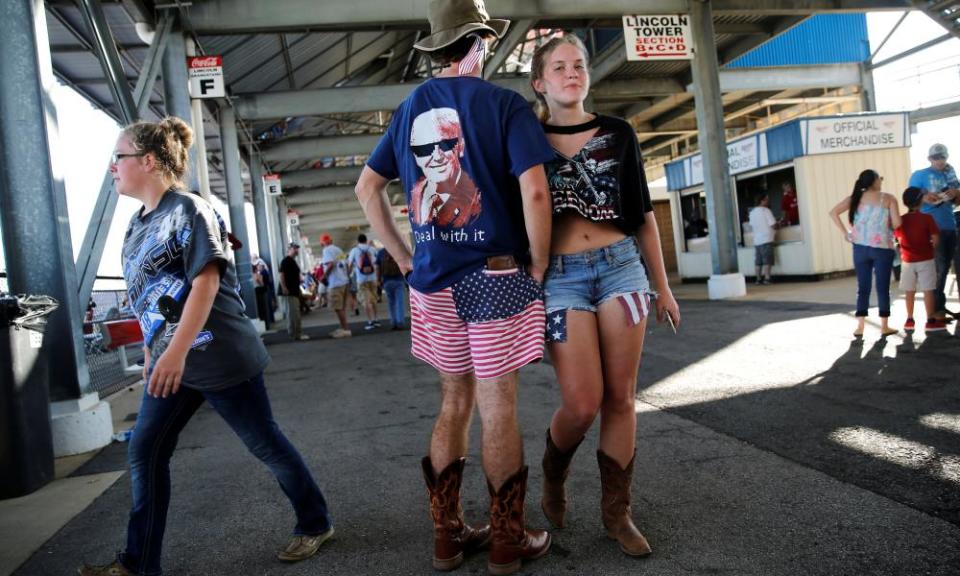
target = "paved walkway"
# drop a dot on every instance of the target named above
(769, 442)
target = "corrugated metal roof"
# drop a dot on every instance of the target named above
(255, 63)
(822, 39)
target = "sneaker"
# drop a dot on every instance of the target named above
(376, 323)
(341, 333)
(303, 337)
(302, 547)
(909, 325)
(767, 281)
(369, 326)
(942, 317)
(934, 325)
(758, 282)
(114, 568)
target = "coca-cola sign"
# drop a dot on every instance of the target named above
(206, 76)
(204, 62)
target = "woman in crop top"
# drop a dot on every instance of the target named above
(597, 292)
(873, 215)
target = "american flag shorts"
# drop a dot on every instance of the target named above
(490, 323)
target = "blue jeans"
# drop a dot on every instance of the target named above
(395, 289)
(868, 262)
(246, 409)
(946, 253)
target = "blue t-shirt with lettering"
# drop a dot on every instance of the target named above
(931, 180)
(458, 146)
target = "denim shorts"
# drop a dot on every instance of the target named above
(585, 280)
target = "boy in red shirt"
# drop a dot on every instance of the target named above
(918, 236)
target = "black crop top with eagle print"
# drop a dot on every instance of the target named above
(604, 181)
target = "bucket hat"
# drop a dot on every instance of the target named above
(451, 20)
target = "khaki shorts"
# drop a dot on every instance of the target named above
(337, 297)
(367, 292)
(918, 276)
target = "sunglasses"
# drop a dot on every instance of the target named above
(116, 157)
(938, 157)
(424, 150)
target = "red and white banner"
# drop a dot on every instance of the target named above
(206, 76)
(651, 38)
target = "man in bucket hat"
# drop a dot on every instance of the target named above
(470, 157)
(940, 184)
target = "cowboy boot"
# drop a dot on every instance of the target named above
(452, 537)
(512, 543)
(556, 468)
(615, 505)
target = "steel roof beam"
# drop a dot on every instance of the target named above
(315, 148)
(788, 78)
(506, 45)
(236, 16)
(339, 100)
(320, 177)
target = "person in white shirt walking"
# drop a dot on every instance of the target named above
(764, 227)
(362, 263)
(335, 271)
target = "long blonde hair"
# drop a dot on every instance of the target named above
(540, 56)
(169, 140)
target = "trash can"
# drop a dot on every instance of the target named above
(26, 443)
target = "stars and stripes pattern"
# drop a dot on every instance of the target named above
(474, 56)
(557, 326)
(636, 306)
(488, 295)
(491, 325)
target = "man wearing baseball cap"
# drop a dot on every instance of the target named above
(338, 281)
(942, 193)
(290, 289)
(470, 158)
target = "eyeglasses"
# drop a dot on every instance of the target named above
(424, 150)
(116, 157)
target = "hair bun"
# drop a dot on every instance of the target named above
(179, 128)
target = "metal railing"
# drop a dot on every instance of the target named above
(111, 370)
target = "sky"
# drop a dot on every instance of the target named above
(928, 78)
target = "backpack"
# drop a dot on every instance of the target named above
(389, 266)
(366, 263)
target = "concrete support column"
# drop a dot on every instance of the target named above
(260, 207)
(35, 224)
(868, 94)
(726, 280)
(284, 238)
(238, 219)
(200, 142)
(176, 94)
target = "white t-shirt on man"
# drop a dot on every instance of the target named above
(762, 222)
(338, 275)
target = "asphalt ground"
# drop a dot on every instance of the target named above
(769, 442)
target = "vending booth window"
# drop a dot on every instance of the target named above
(780, 185)
(693, 209)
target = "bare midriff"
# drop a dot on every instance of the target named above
(573, 233)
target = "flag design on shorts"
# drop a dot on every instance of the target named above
(635, 306)
(557, 326)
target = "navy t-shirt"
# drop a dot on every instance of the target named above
(458, 146)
